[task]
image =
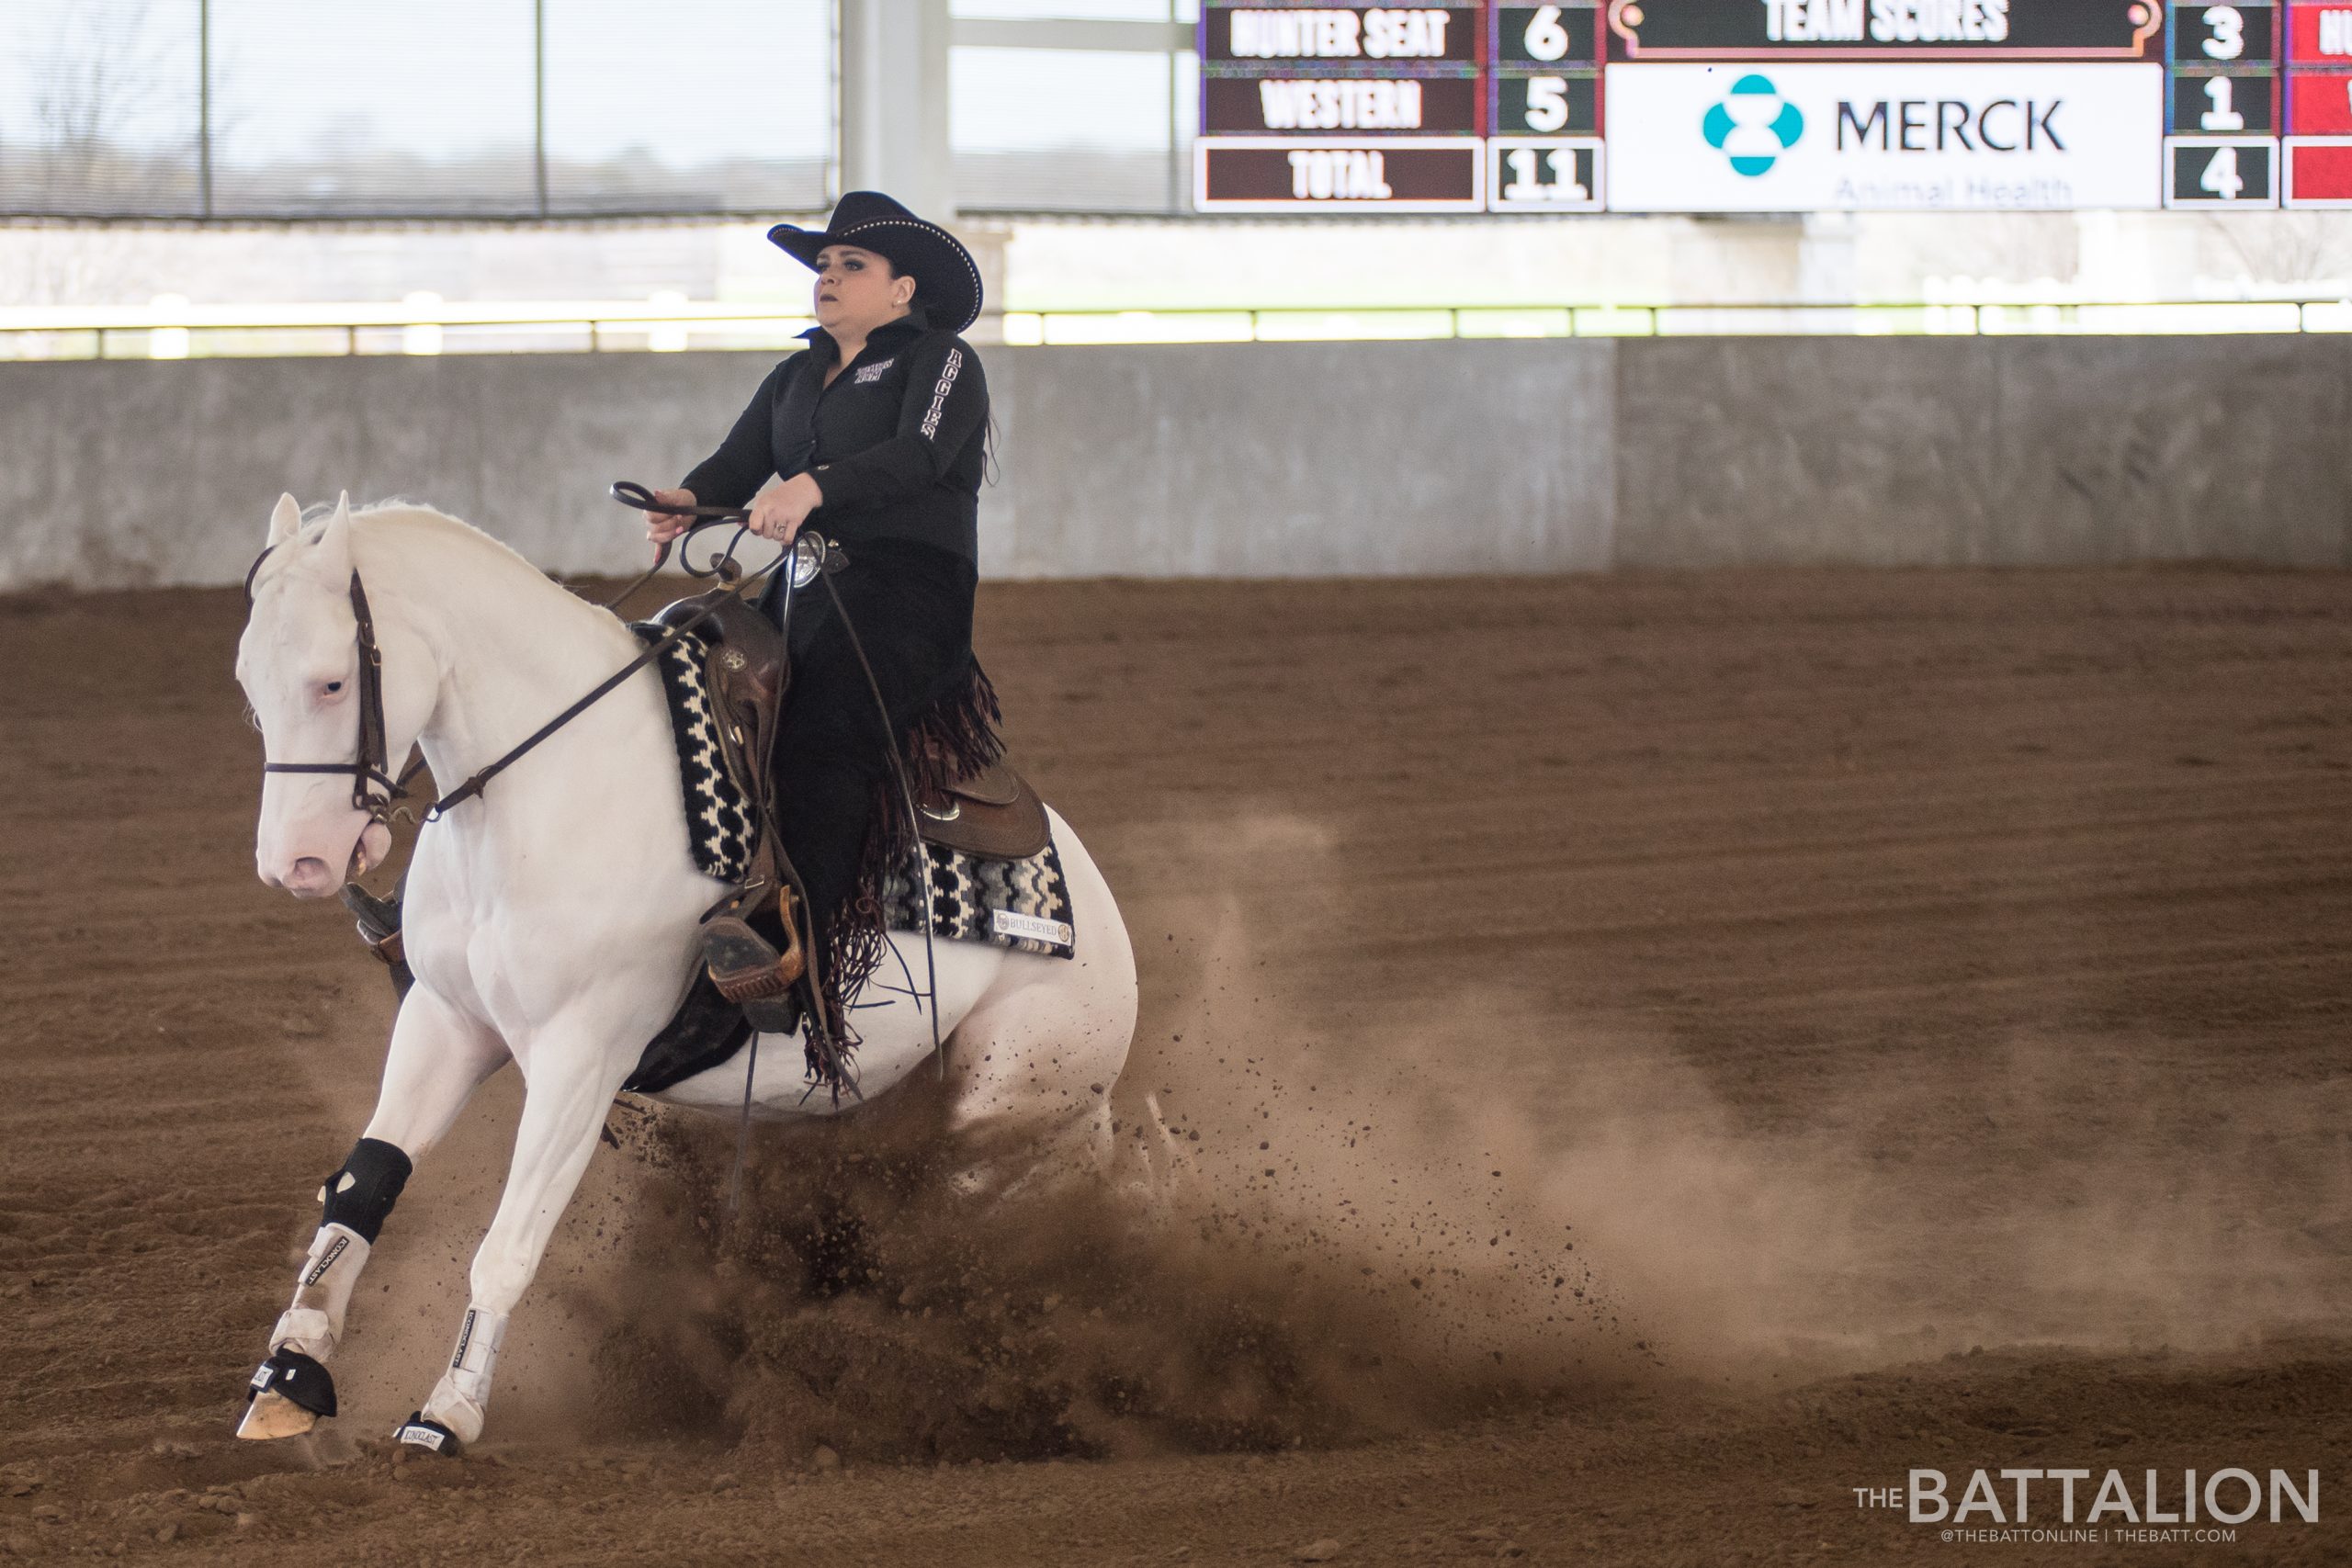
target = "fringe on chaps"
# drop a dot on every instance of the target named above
(954, 737)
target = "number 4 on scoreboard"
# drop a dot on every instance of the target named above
(1543, 174)
(2220, 171)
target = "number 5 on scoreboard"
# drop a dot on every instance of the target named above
(1543, 174)
(1547, 104)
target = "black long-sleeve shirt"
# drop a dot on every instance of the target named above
(896, 443)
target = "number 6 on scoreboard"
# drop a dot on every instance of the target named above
(1545, 37)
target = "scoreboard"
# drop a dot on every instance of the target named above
(1773, 105)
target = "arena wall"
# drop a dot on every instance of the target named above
(1277, 460)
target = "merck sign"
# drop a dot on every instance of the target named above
(1961, 135)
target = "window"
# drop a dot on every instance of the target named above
(1063, 129)
(426, 109)
(98, 107)
(695, 106)
(354, 109)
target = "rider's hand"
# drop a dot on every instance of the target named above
(778, 514)
(661, 527)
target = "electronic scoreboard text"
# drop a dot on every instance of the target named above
(1773, 105)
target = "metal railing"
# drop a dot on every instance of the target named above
(412, 327)
(170, 330)
(2049, 316)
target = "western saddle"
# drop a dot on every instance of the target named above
(993, 813)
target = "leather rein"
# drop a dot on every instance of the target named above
(371, 766)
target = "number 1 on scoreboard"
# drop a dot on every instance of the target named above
(2223, 115)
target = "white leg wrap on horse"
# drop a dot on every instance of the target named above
(461, 1399)
(323, 1293)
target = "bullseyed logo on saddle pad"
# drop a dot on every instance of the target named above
(1021, 904)
(1008, 922)
(867, 373)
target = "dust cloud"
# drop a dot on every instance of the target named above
(1468, 1205)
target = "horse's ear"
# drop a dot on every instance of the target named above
(334, 543)
(285, 519)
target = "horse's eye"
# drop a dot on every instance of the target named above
(333, 686)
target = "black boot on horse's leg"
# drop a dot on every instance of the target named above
(291, 1389)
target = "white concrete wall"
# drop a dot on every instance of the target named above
(1270, 459)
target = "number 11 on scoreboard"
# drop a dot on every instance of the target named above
(1543, 174)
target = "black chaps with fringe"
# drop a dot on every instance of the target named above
(842, 821)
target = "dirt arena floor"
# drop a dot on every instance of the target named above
(1659, 1054)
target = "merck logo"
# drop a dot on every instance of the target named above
(1753, 125)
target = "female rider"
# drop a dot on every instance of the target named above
(877, 431)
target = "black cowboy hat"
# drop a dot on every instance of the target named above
(947, 284)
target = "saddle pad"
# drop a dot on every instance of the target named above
(1021, 904)
(719, 818)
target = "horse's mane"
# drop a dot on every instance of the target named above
(396, 515)
(426, 519)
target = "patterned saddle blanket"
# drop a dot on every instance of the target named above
(1019, 903)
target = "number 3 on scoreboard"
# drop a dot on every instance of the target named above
(2228, 38)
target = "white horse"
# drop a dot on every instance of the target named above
(553, 920)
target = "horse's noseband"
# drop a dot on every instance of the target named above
(372, 765)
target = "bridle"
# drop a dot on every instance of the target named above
(372, 764)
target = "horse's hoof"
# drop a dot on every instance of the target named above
(416, 1432)
(274, 1415)
(286, 1396)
